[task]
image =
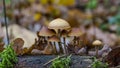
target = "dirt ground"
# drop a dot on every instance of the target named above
(39, 60)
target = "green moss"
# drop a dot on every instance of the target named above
(8, 57)
(98, 64)
(61, 62)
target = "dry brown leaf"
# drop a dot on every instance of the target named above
(17, 45)
(113, 57)
(1, 46)
(48, 50)
(36, 51)
(19, 32)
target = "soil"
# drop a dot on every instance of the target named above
(39, 60)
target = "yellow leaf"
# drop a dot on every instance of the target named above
(66, 2)
(43, 1)
(31, 1)
(37, 16)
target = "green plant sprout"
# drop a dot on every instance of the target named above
(61, 62)
(98, 64)
(8, 57)
(92, 4)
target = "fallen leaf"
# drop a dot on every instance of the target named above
(19, 32)
(17, 45)
(36, 51)
(113, 58)
(48, 50)
(1, 46)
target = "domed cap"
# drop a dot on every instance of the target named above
(59, 24)
(46, 32)
(97, 43)
(54, 39)
(75, 32)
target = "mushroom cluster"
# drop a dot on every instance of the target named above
(53, 35)
(59, 38)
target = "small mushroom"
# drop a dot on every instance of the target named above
(45, 32)
(75, 32)
(54, 39)
(97, 43)
(58, 25)
(102, 52)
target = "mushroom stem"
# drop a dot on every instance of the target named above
(43, 39)
(60, 47)
(59, 35)
(96, 48)
(79, 42)
(65, 45)
(74, 40)
(47, 39)
(40, 39)
(57, 31)
(55, 49)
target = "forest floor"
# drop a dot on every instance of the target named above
(39, 60)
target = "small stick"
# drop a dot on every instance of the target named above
(6, 25)
(54, 59)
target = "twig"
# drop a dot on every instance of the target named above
(54, 59)
(4, 6)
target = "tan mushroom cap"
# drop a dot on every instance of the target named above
(59, 24)
(46, 32)
(97, 43)
(75, 32)
(54, 39)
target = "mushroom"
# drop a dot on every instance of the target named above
(58, 25)
(45, 32)
(75, 32)
(54, 39)
(97, 43)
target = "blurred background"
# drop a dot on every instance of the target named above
(98, 19)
